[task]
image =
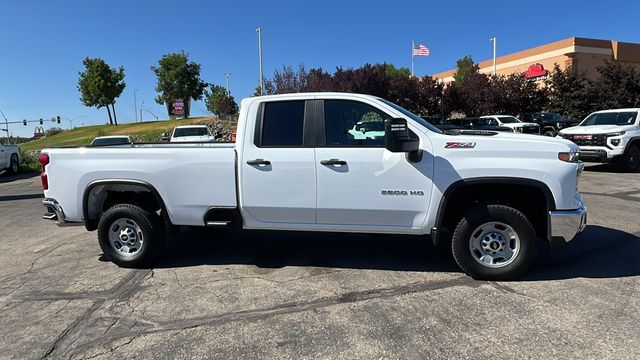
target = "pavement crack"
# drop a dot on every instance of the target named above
(65, 342)
(286, 308)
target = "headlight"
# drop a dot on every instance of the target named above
(570, 156)
(620, 133)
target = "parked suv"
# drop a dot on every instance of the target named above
(609, 135)
(550, 123)
(512, 122)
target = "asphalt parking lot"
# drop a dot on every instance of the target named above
(279, 295)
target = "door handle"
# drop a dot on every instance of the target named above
(259, 162)
(333, 162)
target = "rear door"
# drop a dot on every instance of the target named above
(360, 183)
(278, 167)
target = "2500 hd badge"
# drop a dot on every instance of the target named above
(403, 192)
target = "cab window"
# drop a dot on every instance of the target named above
(353, 123)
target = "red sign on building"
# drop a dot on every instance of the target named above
(535, 71)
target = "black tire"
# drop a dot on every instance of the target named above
(630, 161)
(149, 224)
(479, 216)
(550, 133)
(14, 165)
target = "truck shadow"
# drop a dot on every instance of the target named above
(598, 252)
(5, 177)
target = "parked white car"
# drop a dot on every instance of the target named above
(111, 140)
(608, 135)
(295, 166)
(191, 133)
(512, 122)
(9, 158)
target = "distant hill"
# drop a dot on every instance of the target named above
(142, 132)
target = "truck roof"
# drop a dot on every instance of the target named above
(313, 94)
(618, 110)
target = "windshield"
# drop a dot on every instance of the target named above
(508, 120)
(413, 116)
(610, 118)
(110, 141)
(194, 131)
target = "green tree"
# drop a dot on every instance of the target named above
(219, 101)
(617, 87)
(178, 78)
(464, 67)
(570, 93)
(100, 85)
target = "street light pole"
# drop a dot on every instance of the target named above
(226, 77)
(493, 39)
(135, 105)
(259, 30)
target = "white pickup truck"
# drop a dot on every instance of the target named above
(9, 158)
(296, 166)
(608, 136)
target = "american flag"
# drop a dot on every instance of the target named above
(420, 50)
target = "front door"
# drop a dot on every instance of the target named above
(359, 181)
(278, 171)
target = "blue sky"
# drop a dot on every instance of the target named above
(43, 42)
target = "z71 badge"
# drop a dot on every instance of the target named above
(459, 145)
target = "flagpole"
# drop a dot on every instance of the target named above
(413, 45)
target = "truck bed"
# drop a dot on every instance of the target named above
(190, 177)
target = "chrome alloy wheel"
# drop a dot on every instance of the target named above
(125, 237)
(494, 244)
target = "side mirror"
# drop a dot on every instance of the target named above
(397, 139)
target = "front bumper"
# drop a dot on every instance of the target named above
(564, 225)
(53, 211)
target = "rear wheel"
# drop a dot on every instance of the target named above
(494, 242)
(130, 236)
(630, 161)
(14, 164)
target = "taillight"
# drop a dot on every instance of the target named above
(44, 160)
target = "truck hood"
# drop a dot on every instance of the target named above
(517, 125)
(512, 142)
(597, 129)
(192, 138)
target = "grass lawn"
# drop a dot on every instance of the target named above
(142, 132)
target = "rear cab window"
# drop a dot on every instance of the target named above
(282, 124)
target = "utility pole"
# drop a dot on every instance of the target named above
(141, 106)
(6, 125)
(135, 105)
(259, 30)
(226, 77)
(494, 55)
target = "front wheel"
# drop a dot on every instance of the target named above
(630, 161)
(494, 242)
(130, 236)
(14, 165)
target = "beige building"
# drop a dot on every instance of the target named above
(535, 63)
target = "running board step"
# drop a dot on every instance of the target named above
(218, 223)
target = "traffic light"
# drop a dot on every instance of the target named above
(58, 118)
(24, 122)
(40, 121)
